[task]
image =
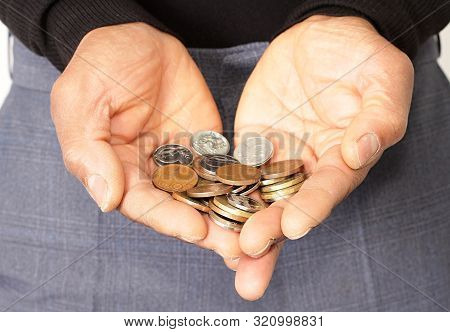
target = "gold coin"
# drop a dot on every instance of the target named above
(282, 192)
(225, 214)
(209, 190)
(197, 204)
(238, 174)
(279, 198)
(299, 177)
(222, 203)
(281, 168)
(175, 178)
(272, 181)
(225, 223)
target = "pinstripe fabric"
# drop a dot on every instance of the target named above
(399, 216)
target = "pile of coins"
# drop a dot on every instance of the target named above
(211, 181)
(281, 180)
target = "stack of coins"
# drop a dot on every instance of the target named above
(213, 182)
(232, 211)
(281, 180)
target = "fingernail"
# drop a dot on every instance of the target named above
(235, 259)
(264, 250)
(298, 236)
(368, 147)
(98, 189)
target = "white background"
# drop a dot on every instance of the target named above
(5, 80)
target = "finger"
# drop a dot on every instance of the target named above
(82, 126)
(157, 209)
(223, 242)
(232, 264)
(330, 183)
(261, 231)
(383, 119)
(254, 274)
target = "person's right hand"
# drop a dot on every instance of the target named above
(128, 89)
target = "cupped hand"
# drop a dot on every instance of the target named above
(127, 90)
(333, 92)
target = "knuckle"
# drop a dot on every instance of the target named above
(71, 160)
(396, 125)
(405, 64)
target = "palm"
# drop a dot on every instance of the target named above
(317, 88)
(146, 91)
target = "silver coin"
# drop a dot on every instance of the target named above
(254, 151)
(172, 154)
(249, 189)
(245, 203)
(211, 163)
(209, 143)
(225, 223)
(238, 189)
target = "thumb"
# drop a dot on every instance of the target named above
(82, 126)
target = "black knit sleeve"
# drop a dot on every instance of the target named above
(54, 28)
(406, 23)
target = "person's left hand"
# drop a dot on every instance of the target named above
(330, 91)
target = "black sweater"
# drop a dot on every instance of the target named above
(54, 28)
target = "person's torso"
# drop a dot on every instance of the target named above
(206, 23)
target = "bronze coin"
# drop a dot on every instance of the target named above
(197, 204)
(175, 178)
(209, 190)
(238, 174)
(281, 168)
(202, 182)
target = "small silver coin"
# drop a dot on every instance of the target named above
(238, 189)
(172, 154)
(209, 143)
(254, 151)
(249, 189)
(245, 203)
(211, 163)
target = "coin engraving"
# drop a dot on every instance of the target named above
(245, 203)
(172, 154)
(209, 143)
(212, 162)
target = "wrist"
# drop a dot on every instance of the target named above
(325, 22)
